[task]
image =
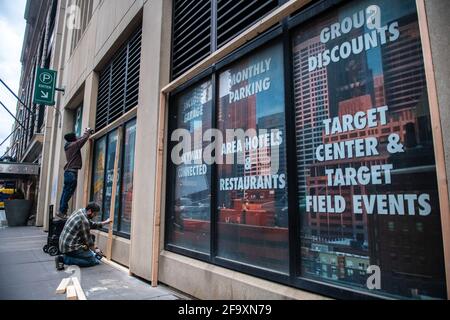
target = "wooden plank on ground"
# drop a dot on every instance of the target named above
(63, 285)
(71, 293)
(78, 289)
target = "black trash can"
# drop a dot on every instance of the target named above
(17, 212)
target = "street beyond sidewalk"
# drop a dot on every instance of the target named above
(26, 272)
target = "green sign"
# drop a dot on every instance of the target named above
(44, 87)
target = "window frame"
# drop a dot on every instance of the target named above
(123, 125)
(122, 164)
(92, 180)
(284, 33)
(107, 135)
(171, 168)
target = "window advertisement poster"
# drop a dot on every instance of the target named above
(190, 210)
(369, 205)
(110, 160)
(251, 175)
(124, 224)
(98, 178)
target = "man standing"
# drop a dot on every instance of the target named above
(74, 163)
(75, 242)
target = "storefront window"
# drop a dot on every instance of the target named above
(190, 199)
(109, 176)
(252, 182)
(124, 223)
(363, 165)
(103, 175)
(98, 179)
(365, 159)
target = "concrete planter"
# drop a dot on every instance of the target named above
(17, 212)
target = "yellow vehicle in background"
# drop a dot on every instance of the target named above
(5, 193)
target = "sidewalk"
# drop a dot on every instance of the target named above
(26, 272)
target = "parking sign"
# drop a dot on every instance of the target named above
(44, 87)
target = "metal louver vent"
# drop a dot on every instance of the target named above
(233, 17)
(119, 83)
(191, 34)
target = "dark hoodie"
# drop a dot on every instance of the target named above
(73, 154)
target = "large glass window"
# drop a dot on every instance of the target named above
(110, 159)
(124, 222)
(363, 186)
(103, 175)
(98, 177)
(190, 200)
(252, 184)
(365, 160)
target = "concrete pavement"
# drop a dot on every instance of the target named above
(26, 272)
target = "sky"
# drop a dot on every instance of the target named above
(12, 29)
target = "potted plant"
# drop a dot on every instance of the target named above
(17, 209)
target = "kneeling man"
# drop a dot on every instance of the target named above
(75, 242)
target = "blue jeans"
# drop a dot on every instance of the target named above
(81, 258)
(70, 184)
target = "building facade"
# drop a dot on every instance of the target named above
(338, 186)
(28, 131)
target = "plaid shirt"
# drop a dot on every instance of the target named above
(76, 232)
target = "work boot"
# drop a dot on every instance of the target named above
(61, 215)
(59, 262)
(98, 254)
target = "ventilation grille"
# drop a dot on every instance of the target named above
(191, 34)
(118, 90)
(233, 17)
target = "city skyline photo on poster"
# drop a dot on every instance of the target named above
(252, 195)
(367, 178)
(190, 212)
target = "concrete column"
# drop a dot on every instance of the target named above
(46, 155)
(51, 159)
(154, 73)
(439, 29)
(88, 120)
(438, 13)
(51, 121)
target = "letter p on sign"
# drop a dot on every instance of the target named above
(46, 78)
